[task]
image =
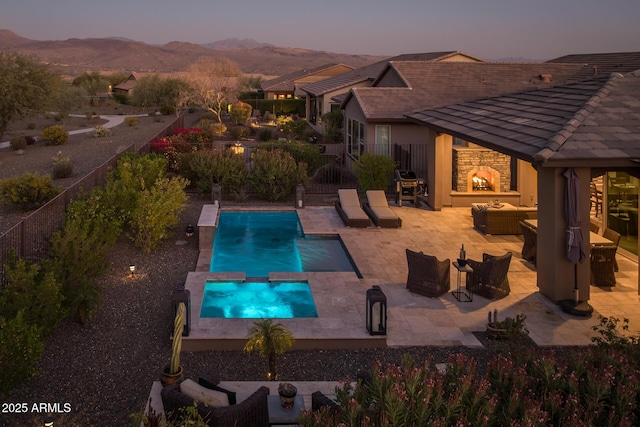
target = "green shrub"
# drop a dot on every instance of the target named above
(293, 128)
(101, 132)
(210, 167)
(302, 152)
(167, 110)
(31, 126)
(240, 112)
(57, 117)
(157, 212)
(62, 166)
(131, 121)
(19, 358)
(28, 191)
(88, 115)
(239, 132)
(266, 134)
(18, 143)
(374, 171)
(334, 122)
(276, 173)
(218, 129)
(55, 135)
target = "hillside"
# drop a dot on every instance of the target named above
(76, 56)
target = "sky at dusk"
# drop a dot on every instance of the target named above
(491, 29)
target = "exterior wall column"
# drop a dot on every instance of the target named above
(439, 169)
(555, 272)
(527, 184)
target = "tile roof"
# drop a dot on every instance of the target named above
(370, 72)
(286, 82)
(577, 124)
(431, 84)
(603, 64)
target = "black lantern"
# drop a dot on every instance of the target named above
(376, 311)
(299, 196)
(182, 295)
(189, 230)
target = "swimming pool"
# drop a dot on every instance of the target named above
(259, 242)
(257, 300)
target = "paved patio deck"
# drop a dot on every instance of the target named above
(413, 319)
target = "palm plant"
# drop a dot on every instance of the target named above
(270, 340)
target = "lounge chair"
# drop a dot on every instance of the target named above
(489, 278)
(428, 275)
(379, 211)
(350, 210)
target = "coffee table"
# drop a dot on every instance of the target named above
(280, 416)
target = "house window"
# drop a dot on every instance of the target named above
(383, 135)
(355, 138)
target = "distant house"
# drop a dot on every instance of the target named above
(324, 96)
(602, 64)
(126, 87)
(377, 120)
(287, 86)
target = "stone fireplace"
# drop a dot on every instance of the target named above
(480, 170)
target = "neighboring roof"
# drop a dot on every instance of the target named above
(129, 83)
(603, 64)
(370, 72)
(287, 81)
(593, 123)
(431, 84)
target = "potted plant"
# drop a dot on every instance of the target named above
(508, 328)
(269, 340)
(173, 374)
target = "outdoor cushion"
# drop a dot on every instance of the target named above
(348, 197)
(214, 398)
(354, 212)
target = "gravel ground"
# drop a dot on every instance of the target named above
(104, 370)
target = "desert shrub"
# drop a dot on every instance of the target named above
(31, 126)
(18, 143)
(78, 251)
(218, 129)
(217, 167)
(131, 121)
(19, 360)
(88, 115)
(62, 166)
(266, 134)
(302, 152)
(34, 292)
(293, 128)
(240, 112)
(58, 117)
(374, 171)
(167, 110)
(55, 135)
(334, 122)
(28, 191)
(239, 132)
(157, 212)
(276, 173)
(101, 132)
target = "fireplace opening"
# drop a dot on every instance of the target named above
(481, 183)
(483, 178)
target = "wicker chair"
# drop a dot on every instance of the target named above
(427, 276)
(319, 400)
(251, 412)
(529, 248)
(614, 236)
(489, 278)
(602, 265)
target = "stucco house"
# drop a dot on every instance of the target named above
(324, 96)
(287, 86)
(590, 125)
(377, 119)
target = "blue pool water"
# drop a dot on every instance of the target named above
(257, 300)
(260, 242)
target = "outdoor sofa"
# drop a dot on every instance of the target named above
(379, 211)
(350, 210)
(504, 220)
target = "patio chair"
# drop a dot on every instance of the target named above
(530, 246)
(489, 278)
(319, 400)
(602, 265)
(596, 198)
(614, 236)
(350, 210)
(427, 276)
(593, 227)
(379, 211)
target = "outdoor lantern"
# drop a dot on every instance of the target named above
(216, 194)
(180, 294)
(48, 422)
(299, 196)
(189, 230)
(237, 148)
(376, 311)
(132, 269)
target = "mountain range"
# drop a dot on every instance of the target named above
(74, 56)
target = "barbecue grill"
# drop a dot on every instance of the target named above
(408, 186)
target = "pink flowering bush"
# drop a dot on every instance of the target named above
(181, 141)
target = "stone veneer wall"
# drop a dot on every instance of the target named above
(467, 159)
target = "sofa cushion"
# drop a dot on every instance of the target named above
(231, 395)
(214, 398)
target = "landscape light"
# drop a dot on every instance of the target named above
(132, 269)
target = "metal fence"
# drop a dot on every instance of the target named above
(29, 238)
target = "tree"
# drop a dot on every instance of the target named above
(156, 92)
(66, 99)
(93, 83)
(269, 340)
(26, 87)
(240, 112)
(214, 83)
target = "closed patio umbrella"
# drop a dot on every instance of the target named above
(574, 240)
